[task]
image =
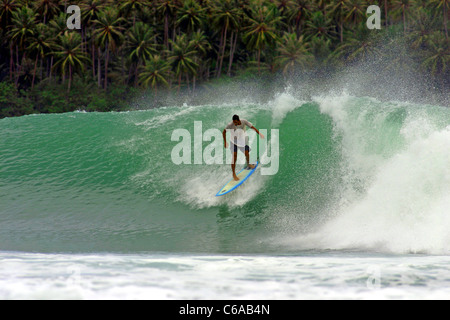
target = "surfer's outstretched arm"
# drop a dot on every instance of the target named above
(260, 134)
(224, 134)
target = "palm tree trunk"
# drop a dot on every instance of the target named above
(136, 72)
(70, 77)
(11, 62)
(93, 60)
(106, 65)
(34, 71)
(386, 13)
(259, 61)
(444, 6)
(83, 49)
(130, 70)
(41, 68)
(47, 67)
(298, 23)
(123, 67)
(136, 75)
(17, 66)
(51, 67)
(17, 57)
(223, 51)
(20, 67)
(187, 81)
(232, 48)
(404, 21)
(99, 76)
(218, 56)
(166, 30)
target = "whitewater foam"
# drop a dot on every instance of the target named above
(153, 276)
(283, 103)
(402, 200)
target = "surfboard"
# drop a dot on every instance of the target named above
(243, 175)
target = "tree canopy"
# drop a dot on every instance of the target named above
(178, 43)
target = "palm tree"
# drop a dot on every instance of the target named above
(167, 9)
(338, 8)
(6, 9)
(356, 11)
(190, 16)
(40, 45)
(321, 49)
(261, 29)
(299, 12)
(155, 72)
(90, 10)
(225, 17)
(293, 52)
(360, 45)
(437, 56)
(422, 28)
(319, 26)
(386, 9)
(70, 57)
(46, 8)
(403, 6)
(445, 5)
(23, 27)
(108, 34)
(284, 7)
(140, 45)
(128, 6)
(199, 42)
(23, 23)
(322, 6)
(58, 25)
(181, 57)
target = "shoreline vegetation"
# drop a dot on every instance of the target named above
(157, 51)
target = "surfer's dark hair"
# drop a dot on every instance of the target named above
(236, 117)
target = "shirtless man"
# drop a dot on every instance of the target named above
(239, 141)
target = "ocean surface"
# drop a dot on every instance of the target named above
(92, 205)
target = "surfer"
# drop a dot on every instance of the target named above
(239, 140)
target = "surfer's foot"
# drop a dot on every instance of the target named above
(235, 177)
(251, 166)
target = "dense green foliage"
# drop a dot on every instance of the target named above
(126, 46)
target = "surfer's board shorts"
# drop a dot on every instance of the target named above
(234, 148)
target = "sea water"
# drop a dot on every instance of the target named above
(92, 207)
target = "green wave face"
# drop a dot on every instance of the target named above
(350, 169)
